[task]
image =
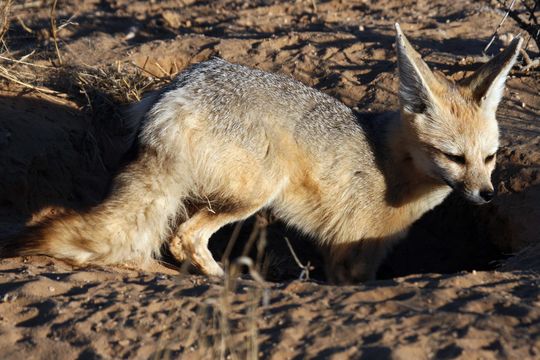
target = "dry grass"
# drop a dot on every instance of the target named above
(5, 18)
(90, 87)
(117, 84)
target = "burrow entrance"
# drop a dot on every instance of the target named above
(454, 237)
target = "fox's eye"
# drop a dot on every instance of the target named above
(489, 158)
(459, 159)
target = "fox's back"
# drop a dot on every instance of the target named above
(258, 110)
(233, 97)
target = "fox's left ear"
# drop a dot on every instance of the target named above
(416, 80)
(487, 83)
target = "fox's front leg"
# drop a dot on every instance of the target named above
(359, 261)
(191, 239)
(177, 249)
(191, 243)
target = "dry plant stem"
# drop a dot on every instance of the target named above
(232, 241)
(195, 327)
(146, 71)
(4, 17)
(23, 25)
(533, 26)
(7, 75)
(54, 30)
(252, 237)
(529, 63)
(23, 58)
(225, 330)
(25, 63)
(499, 26)
(261, 245)
(253, 346)
(247, 262)
(304, 275)
(28, 5)
(161, 68)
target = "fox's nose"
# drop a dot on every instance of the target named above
(487, 195)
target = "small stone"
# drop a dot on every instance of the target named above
(124, 342)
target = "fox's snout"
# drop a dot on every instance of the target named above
(479, 197)
(477, 185)
(472, 182)
(487, 195)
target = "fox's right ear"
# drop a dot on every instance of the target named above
(487, 83)
(416, 80)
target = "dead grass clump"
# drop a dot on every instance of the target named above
(117, 84)
(93, 87)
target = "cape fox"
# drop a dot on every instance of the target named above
(223, 141)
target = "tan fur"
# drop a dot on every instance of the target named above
(224, 141)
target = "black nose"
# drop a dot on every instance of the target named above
(487, 195)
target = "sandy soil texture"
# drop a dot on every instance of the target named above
(49, 310)
(440, 293)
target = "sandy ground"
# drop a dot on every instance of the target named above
(59, 150)
(49, 310)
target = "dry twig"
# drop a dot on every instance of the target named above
(498, 27)
(54, 30)
(304, 275)
(4, 18)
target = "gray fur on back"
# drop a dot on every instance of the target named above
(236, 98)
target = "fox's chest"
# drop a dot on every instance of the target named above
(395, 221)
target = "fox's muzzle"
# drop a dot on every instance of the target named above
(478, 197)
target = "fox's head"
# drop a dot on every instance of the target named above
(451, 126)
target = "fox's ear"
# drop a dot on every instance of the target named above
(416, 80)
(487, 83)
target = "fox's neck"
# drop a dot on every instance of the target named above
(407, 187)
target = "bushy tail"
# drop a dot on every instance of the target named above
(63, 236)
(129, 226)
(134, 221)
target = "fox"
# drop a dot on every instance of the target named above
(223, 141)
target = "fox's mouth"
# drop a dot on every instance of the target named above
(470, 196)
(473, 198)
(449, 183)
(467, 195)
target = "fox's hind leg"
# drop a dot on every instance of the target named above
(191, 239)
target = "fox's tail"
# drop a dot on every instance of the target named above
(147, 197)
(60, 236)
(129, 226)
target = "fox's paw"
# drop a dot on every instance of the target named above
(177, 249)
